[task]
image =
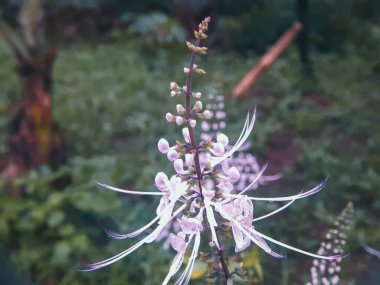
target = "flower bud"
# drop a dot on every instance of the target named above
(197, 95)
(173, 93)
(160, 179)
(198, 106)
(222, 138)
(180, 109)
(200, 71)
(178, 166)
(163, 145)
(186, 134)
(172, 154)
(184, 88)
(179, 120)
(173, 86)
(193, 123)
(186, 70)
(218, 149)
(169, 117)
(190, 46)
(233, 174)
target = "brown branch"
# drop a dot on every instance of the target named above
(273, 53)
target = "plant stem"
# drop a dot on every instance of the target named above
(188, 118)
(223, 261)
(194, 145)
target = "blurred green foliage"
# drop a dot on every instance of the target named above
(111, 97)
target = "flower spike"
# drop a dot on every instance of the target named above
(206, 195)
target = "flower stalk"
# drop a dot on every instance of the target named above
(194, 145)
(188, 116)
(202, 195)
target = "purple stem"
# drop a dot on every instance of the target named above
(188, 118)
(223, 261)
(195, 146)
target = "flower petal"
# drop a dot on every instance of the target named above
(254, 238)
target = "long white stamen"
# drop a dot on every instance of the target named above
(274, 212)
(297, 249)
(196, 245)
(189, 268)
(176, 264)
(258, 176)
(269, 178)
(123, 254)
(174, 267)
(287, 198)
(129, 191)
(139, 231)
(247, 129)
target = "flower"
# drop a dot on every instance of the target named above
(328, 271)
(191, 199)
